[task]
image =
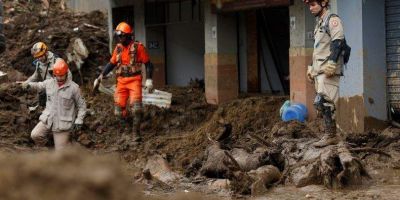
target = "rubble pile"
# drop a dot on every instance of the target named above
(15, 117)
(27, 22)
(241, 145)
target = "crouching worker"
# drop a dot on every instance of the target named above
(65, 107)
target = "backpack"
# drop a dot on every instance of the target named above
(346, 49)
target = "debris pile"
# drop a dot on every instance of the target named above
(242, 145)
(57, 28)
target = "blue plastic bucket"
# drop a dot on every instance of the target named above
(285, 105)
(303, 109)
(295, 112)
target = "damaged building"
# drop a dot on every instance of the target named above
(264, 46)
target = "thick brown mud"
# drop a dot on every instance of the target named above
(176, 142)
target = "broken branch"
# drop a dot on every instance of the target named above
(369, 149)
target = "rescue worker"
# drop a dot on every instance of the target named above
(44, 61)
(127, 58)
(326, 67)
(65, 107)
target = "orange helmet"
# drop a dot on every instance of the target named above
(38, 49)
(123, 28)
(60, 68)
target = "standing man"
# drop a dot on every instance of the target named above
(326, 68)
(65, 107)
(127, 58)
(44, 62)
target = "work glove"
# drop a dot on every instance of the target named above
(329, 69)
(310, 76)
(148, 86)
(77, 127)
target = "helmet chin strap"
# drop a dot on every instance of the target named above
(321, 11)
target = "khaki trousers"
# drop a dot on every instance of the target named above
(39, 133)
(328, 88)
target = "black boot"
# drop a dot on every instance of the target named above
(329, 137)
(125, 126)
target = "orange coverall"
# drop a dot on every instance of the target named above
(129, 87)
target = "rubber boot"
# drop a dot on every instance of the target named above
(124, 130)
(137, 119)
(124, 125)
(329, 137)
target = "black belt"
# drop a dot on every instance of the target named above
(130, 74)
(128, 71)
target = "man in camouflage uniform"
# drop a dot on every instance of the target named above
(326, 68)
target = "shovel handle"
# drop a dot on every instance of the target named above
(96, 85)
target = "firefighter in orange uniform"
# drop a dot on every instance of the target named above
(127, 58)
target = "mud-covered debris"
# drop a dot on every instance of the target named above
(65, 175)
(250, 161)
(153, 183)
(264, 177)
(159, 168)
(216, 163)
(54, 26)
(3, 77)
(219, 184)
(334, 166)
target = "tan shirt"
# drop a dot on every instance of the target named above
(64, 106)
(322, 41)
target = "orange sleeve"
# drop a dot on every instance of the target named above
(113, 59)
(142, 55)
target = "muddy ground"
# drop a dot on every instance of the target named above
(173, 137)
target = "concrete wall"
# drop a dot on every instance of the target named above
(220, 58)
(351, 109)
(140, 27)
(351, 13)
(374, 39)
(362, 104)
(300, 55)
